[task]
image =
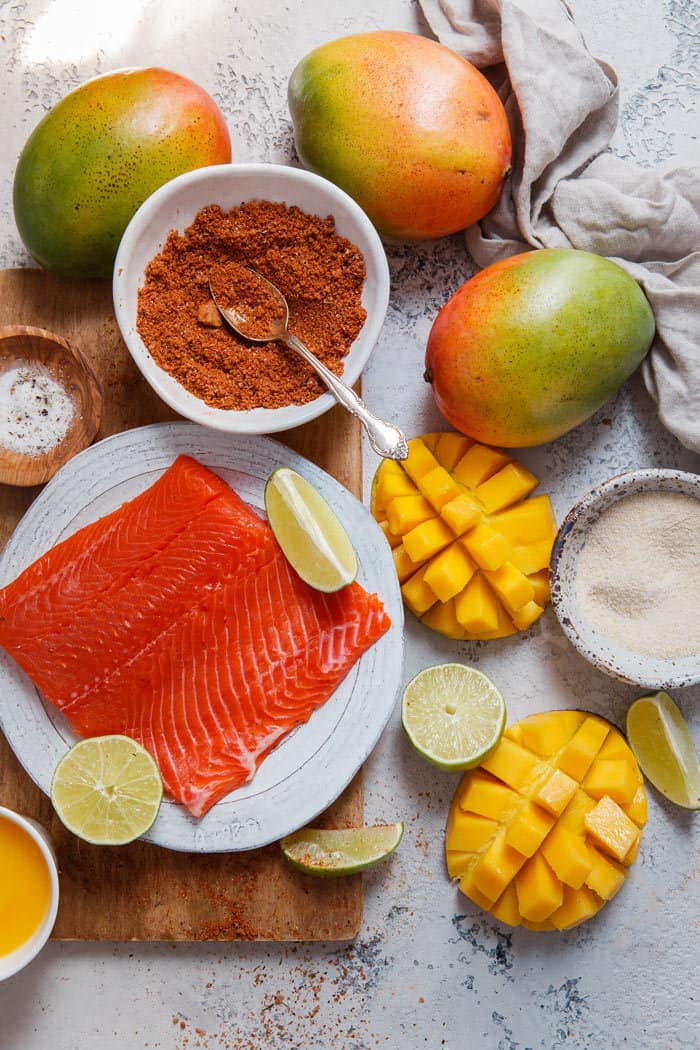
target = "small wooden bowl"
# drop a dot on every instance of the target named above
(22, 345)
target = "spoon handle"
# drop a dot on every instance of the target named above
(386, 439)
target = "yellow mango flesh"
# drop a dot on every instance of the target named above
(471, 549)
(525, 837)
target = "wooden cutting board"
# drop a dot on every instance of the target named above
(143, 892)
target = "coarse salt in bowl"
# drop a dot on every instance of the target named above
(174, 206)
(636, 668)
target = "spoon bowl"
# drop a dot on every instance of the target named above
(52, 356)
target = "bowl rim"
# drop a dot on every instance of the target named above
(19, 958)
(258, 420)
(669, 675)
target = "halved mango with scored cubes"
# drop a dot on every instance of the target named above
(543, 832)
(471, 550)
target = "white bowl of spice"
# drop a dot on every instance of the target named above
(303, 234)
(626, 577)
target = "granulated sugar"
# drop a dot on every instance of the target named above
(638, 575)
(35, 411)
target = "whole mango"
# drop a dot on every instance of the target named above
(409, 129)
(99, 153)
(534, 345)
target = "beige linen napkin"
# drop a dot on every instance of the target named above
(566, 192)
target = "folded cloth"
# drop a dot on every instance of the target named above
(566, 192)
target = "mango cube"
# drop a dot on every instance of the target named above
(467, 831)
(567, 856)
(450, 448)
(606, 876)
(514, 589)
(529, 829)
(451, 489)
(416, 593)
(529, 521)
(420, 460)
(461, 513)
(458, 863)
(442, 618)
(439, 487)
(556, 793)
(527, 841)
(403, 564)
(578, 906)
(476, 607)
(578, 755)
(487, 547)
(450, 572)
(427, 539)
(478, 464)
(611, 828)
(512, 483)
(547, 733)
(512, 764)
(637, 809)
(539, 891)
(496, 868)
(486, 796)
(614, 777)
(506, 907)
(405, 512)
(471, 890)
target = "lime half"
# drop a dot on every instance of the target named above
(340, 852)
(663, 746)
(313, 540)
(107, 790)
(454, 715)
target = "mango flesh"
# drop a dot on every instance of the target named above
(99, 153)
(414, 133)
(534, 345)
(471, 551)
(527, 841)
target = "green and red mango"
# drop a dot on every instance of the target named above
(404, 125)
(99, 153)
(532, 346)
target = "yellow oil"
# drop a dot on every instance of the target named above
(25, 886)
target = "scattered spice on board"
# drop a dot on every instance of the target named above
(35, 411)
(638, 575)
(320, 273)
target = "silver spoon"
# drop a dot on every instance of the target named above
(386, 439)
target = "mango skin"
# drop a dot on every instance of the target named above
(99, 153)
(534, 345)
(414, 133)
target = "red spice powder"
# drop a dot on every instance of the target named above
(320, 273)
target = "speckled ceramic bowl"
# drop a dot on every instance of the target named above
(654, 672)
(174, 206)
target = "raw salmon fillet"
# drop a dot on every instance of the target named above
(177, 620)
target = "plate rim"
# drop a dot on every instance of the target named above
(384, 658)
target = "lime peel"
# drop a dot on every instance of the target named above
(340, 851)
(107, 790)
(309, 533)
(453, 715)
(661, 741)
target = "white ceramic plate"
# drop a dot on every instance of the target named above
(312, 765)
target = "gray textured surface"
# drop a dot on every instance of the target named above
(429, 969)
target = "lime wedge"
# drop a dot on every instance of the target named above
(313, 540)
(454, 715)
(107, 790)
(340, 852)
(663, 746)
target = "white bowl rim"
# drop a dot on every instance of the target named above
(259, 420)
(676, 673)
(15, 961)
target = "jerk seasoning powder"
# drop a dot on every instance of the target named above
(320, 273)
